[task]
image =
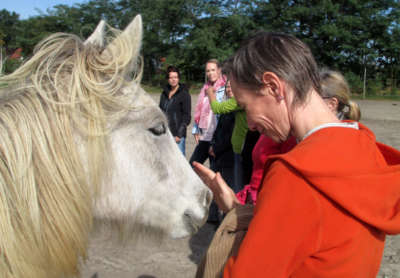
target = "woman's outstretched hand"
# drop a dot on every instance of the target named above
(223, 194)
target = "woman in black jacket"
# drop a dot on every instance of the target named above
(222, 151)
(176, 104)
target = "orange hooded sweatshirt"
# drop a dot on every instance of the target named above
(323, 209)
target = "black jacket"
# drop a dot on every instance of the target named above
(221, 141)
(177, 109)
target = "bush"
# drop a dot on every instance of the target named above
(375, 88)
(394, 91)
(158, 80)
(355, 82)
(11, 65)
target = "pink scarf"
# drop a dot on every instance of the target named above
(203, 108)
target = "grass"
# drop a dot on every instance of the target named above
(377, 97)
(195, 89)
(151, 89)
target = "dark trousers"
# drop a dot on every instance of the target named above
(227, 173)
(214, 215)
(247, 159)
(200, 154)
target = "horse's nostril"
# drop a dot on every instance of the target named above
(208, 197)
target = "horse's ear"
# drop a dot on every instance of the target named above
(97, 37)
(132, 34)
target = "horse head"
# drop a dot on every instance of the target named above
(81, 140)
(151, 181)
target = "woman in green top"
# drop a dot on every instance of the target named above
(243, 168)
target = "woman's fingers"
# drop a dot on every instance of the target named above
(210, 90)
(203, 169)
(224, 196)
(221, 184)
(208, 177)
(206, 174)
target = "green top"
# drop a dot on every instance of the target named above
(225, 107)
(240, 129)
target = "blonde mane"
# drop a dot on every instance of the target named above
(67, 90)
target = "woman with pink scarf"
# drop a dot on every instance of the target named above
(205, 121)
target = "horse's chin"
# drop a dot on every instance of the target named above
(183, 231)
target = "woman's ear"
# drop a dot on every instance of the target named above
(332, 103)
(274, 85)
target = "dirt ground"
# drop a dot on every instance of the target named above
(178, 258)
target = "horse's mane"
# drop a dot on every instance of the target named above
(60, 102)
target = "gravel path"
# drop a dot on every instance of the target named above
(178, 258)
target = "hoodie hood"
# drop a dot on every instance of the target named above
(353, 170)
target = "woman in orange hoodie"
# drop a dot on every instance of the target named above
(325, 207)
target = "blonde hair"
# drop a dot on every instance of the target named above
(214, 61)
(334, 85)
(67, 91)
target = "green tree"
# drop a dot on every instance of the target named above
(8, 25)
(166, 25)
(344, 35)
(8, 29)
(217, 33)
(353, 36)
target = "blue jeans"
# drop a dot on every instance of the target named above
(181, 145)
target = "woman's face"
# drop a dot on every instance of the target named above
(264, 112)
(228, 90)
(173, 79)
(213, 72)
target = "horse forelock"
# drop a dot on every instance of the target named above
(45, 198)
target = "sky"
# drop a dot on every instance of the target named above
(26, 8)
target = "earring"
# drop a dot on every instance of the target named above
(280, 98)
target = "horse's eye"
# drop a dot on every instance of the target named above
(158, 129)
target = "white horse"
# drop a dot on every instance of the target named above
(80, 140)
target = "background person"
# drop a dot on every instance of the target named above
(221, 146)
(336, 94)
(242, 144)
(175, 102)
(222, 152)
(321, 210)
(205, 121)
